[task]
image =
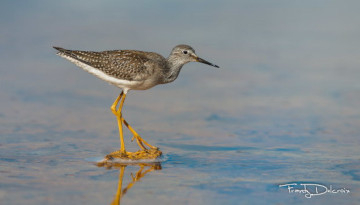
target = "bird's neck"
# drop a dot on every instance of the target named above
(174, 66)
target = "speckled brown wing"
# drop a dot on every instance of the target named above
(121, 64)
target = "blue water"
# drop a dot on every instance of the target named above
(282, 109)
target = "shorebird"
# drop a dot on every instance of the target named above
(132, 70)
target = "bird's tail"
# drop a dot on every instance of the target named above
(61, 50)
(64, 52)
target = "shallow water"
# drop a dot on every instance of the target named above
(283, 108)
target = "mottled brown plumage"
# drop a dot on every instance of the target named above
(122, 64)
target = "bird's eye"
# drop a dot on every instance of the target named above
(185, 52)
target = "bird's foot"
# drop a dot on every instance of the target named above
(117, 154)
(139, 155)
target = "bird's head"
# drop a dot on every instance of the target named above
(185, 54)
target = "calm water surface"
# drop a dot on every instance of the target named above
(283, 108)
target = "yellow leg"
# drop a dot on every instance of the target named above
(121, 120)
(113, 106)
(118, 115)
(139, 140)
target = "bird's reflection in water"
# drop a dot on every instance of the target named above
(144, 168)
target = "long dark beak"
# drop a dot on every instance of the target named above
(206, 62)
